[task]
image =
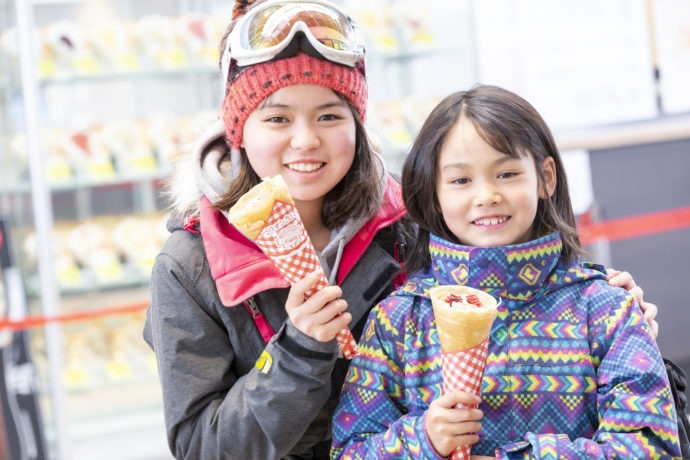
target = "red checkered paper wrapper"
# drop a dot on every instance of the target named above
(464, 316)
(285, 241)
(463, 371)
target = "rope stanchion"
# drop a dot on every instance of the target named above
(31, 322)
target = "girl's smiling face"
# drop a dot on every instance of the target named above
(307, 134)
(487, 197)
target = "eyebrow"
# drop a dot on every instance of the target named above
(277, 105)
(461, 165)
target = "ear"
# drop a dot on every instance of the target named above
(548, 171)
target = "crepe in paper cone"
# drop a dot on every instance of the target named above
(267, 215)
(464, 316)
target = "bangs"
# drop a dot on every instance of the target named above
(500, 136)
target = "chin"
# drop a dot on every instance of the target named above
(489, 242)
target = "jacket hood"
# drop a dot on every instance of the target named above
(514, 273)
(204, 169)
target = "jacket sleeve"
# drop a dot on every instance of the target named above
(634, 403)
(373, 420)
(210, 412)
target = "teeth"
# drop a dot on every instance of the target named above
(491, 221)
(304, 167)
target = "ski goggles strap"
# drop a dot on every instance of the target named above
(265, 31)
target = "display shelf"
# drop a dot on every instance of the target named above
(117, 179)
(130, 276)
(426, 52)
(22, 187)
(209, 71)
(7, 88)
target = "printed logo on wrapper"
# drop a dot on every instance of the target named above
(285, 233)
(286, 243)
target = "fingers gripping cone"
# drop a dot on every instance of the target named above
(464, 316)
(267, 215)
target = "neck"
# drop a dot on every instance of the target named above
(310, 213)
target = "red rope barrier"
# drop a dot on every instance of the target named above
(634, 226)
(611, 230)
(30, 322)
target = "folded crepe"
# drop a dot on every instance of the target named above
(464, 316)
(267, 215)
(251, 211)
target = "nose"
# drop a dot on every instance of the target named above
(486, 194)
(304, 137)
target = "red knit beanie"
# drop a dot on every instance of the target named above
(259, 81)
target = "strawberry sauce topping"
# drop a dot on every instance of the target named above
(466, 299)
(474, 300)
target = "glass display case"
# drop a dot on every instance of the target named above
(96, 100)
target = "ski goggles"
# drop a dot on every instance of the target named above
(267, 32)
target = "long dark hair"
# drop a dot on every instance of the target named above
(509, 124)
(356, 195)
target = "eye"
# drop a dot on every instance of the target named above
(277, 119)
(507, 175)
(461, 180)
(330, 117)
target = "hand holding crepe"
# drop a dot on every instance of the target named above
(464, 316)
(267, 215)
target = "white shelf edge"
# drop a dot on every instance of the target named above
(664, 129)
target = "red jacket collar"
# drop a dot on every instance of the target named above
(391, 211)
(241, 270)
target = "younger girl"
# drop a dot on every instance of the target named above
(572, 371)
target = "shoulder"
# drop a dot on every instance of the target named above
(590, 281)
(396, 308)
(183, 250)
(608, 308)
(407, 305)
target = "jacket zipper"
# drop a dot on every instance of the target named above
(376, 230)
(400, 256)
(253, 308)
(265, 329)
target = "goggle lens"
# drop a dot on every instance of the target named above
(274, 24)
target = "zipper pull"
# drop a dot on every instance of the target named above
(400, 252)
(261, 323)
(253, 308)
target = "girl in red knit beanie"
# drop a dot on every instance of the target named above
(249, 368)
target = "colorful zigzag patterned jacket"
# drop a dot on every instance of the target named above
(572, 371)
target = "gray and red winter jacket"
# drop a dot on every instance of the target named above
(227, 392)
